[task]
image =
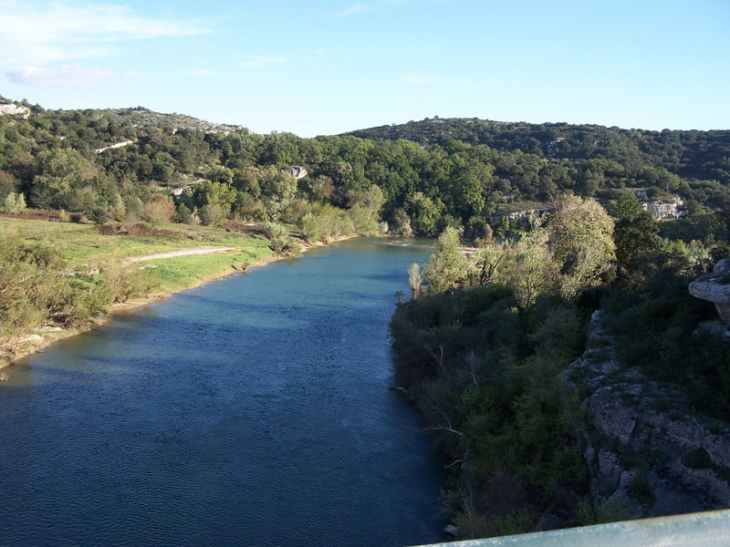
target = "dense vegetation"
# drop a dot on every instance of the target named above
(429, 175)
(481, 345)
(37, 288)
(691, 154)
(58, 277)
(481, 348)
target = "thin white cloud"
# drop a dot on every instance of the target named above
(260, 61)
(35, 34)
(64, 76)
(355, 9)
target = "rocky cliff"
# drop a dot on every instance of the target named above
(649, 454)
(11, 109)
(715, 287)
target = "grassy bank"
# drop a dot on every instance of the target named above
(59, 278)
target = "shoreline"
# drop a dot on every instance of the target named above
(44, 337)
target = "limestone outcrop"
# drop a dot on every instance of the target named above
(11, 109)
(648, 453)
(715, 287)
(296, 171)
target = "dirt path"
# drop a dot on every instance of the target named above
(182, 252)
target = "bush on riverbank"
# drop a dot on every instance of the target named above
(484, 374)
(38, 288)
(481, 354)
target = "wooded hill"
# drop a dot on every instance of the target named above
(440, 173)
(689, 154)
(482, 349)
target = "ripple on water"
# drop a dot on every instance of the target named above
(252, 411)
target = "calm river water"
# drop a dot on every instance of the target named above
(252, 411)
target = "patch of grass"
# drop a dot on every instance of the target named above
(188, 271)
(83, 244)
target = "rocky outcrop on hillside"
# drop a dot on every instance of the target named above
(143, 117)
(113, 146)
(296, 171)
(11, 109)
(715, 287)
(648, 453)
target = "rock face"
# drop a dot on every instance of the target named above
(662, 210)
(14, 110)
(648, 453)
(112, 146)
(296, 171)
(715, 288)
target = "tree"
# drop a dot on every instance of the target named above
(14, 203)
(62, 172)
(415, 279)
(635, 231)
(447, 269)
(581, 240)
(7, 184)
(365, 214)
(211, 215)
(627, 207)
(633, 237)
(425, 214)
(277, 189)
(530, 270)
(158, 210)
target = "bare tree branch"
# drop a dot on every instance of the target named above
(448, 427)
(439, 359)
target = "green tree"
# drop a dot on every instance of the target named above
(636, 230)
(626, 207)
(211, 215)
(14, 203)
(447, 269)
(425, 214)
(636, 236)
(530, 270)
(581, 240)
(415, 279)
(365, 214)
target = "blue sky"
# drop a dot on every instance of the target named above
(320, 67)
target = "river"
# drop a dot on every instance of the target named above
(255, 410)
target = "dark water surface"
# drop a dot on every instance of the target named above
(251, 411)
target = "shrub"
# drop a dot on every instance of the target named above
(158, 210)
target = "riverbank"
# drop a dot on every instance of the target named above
(46, 336)
(273, 381)
(168, 251)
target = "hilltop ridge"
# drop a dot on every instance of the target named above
(676, 150)
(144, 117)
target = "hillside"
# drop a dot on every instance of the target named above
(143, 117)
(698, 154)
(561, 223)
(483, 176)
